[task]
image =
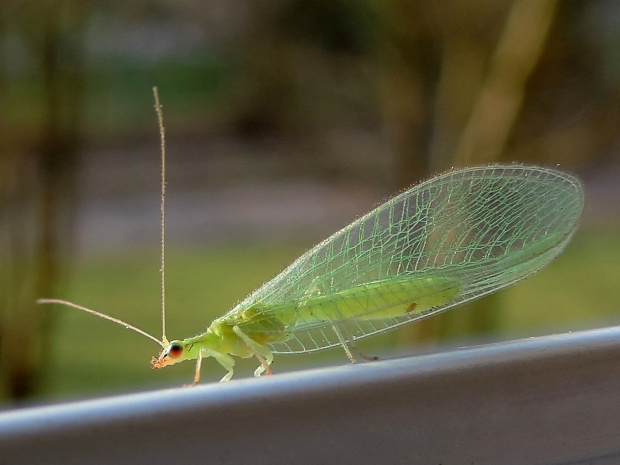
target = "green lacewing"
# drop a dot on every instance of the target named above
(446, 241)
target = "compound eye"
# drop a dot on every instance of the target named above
(175, 350)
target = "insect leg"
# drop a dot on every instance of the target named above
(368, 358)
(225, 360)
(262, 353)
(198, 364)
(347, 342)
(344, 343)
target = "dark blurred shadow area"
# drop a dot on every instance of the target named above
(285, 119)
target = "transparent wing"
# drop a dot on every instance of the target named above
(451, 239)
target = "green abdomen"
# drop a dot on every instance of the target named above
(377, 300)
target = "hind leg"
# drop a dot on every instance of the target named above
(347, 343)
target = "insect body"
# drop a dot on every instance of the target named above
(251, 331)
(446, 241)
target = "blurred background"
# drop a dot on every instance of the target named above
(285, 120)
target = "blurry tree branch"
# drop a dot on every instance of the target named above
(502, 91)
(39, 184)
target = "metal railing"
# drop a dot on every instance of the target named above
(548, 400)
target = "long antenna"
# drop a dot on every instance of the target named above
(101, 315)
(162, 137)
(164, 341)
